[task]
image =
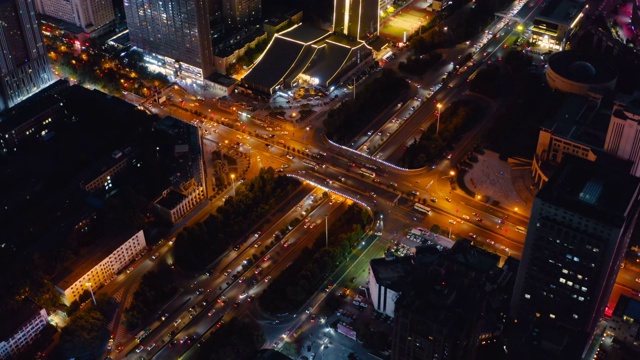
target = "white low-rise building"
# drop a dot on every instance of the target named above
(91, 272)
(20, 328)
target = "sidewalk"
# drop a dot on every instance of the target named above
(504, 182)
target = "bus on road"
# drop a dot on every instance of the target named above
(422, 208)
(368, 172)
(313, 164)
(142, 334)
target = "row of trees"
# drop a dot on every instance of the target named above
(292, 288)
(196, 246)
(87, 332)
(344, 122)
(238, 339)
(454, 120)
(419, 65)
(155, 290)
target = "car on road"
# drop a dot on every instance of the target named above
(256, 245)
(372, 194)
(448, 200)
(140, 348)
(155, 256)
(267, 278)
(472, 235)
(415, 193)
(226, 273)
(433, 199)
(266, 258)
(257, 235)
(466, 217)
(258, 270)
(452, 222)
(237, 247)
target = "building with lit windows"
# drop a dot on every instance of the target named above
(241, 12)
(623, 136)
(101, 175)
(174, 35)
(95, 269)
(579, 230)
(624, 326)
(24, 66)
(95, 17)
(578, 128)
(178, 201)
(556, 22)
(20, 328)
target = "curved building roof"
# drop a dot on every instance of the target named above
(573, 66)
(282, 56)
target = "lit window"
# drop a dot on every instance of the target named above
(580, 298)
(527, 296)
(575, 316)
(562, 280)
(584, 289)
(576, 259)
(570, 283)
(552, 316)
(565, 271)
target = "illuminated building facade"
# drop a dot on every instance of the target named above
(174, 34)
(357, 19)
(24, 66)
(99, 267)
(93, 16)
(623, 135)
(241, 12)
(579, 229)
(559, 18)
(21, 328)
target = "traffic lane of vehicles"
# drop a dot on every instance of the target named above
(201, 324)
(198, 298)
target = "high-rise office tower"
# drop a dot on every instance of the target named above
(241, 12)
(579, 229)
(175, 34)
(93, 16)
(623, 134)
(24, 67)
(357, 19)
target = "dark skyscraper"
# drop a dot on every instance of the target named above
(176, 31)
(580, 226)
(24, 66)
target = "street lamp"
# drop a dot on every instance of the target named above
(91, 291)
(439, 106)
(452, 173)
(233, 182)
(326, 231)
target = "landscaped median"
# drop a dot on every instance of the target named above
(289, 291)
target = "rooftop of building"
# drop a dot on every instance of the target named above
(104, 164)
(303, 33)
(237, 40)
(562, 11)
(580, 119)
(450, 292)
(24, 312)
(221, 79)
(596, 190)
(171, 199)
(392, 272)
(74, 271)
(576, 67)
(627, 307)
(33, 106)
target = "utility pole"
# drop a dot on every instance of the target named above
(438, 123)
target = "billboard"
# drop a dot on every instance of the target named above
(347, 331)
